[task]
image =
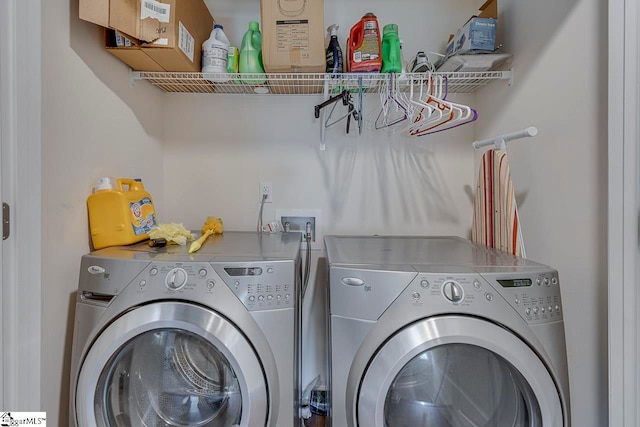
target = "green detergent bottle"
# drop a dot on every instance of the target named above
(391, 56)
(251, 54)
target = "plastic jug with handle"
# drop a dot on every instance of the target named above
(391, 54)
(121, 212)
(251, 54)
(364, 45)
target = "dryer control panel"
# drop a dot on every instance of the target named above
(534, 295)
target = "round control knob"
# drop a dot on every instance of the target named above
(252, 298)
(453, 291)
(153, 271)
(269, 269)
(202, 272)
(210, 284)
(539, 281)
(424, 283)
(528, 311)
(278, 297)
(546, 280)
(554, 280)
(535, 310)
(143, 283)
(261, 298)
(176, 279)
(557, 308)
(287, 296)
(543, 310)
(489, 296)
(477, 284)
(416, 296)
(269, 297)
(550, 309)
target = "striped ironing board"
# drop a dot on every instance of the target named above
(495, 214)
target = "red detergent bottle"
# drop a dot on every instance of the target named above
(364, 46)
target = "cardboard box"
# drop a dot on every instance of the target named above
(173, 29)
(129, 51)
(293, 36)
(478, 34)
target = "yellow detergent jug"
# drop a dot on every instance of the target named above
(121, 212)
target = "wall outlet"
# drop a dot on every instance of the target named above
(265, 189)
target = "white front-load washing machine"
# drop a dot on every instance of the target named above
(167, 338)
(438, 331)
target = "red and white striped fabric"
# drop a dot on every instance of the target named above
(495, 214)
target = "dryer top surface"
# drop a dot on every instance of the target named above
(422, 251)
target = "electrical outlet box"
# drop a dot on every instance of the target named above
(265, 190)
(297, 220)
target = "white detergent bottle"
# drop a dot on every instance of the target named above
(214, 56)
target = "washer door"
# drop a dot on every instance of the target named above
(171, 364)
(458, 372)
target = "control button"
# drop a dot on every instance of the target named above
(550, 309)
(202, 272)
(278, 297)
(269, 269)
(535, 310)
(528, 311)
(95, 269)
(416, 296)
(252, 298)
(260, 298)
(153, 271)
(557, 308)
(543, 310)
(143, 283)
(287, 296)
(424, 283)
(453, 291)
(237, 283)
(554, 280)
(546, 281)
(517, 301)
(176, 279)
(477, 284)
(210, 284)
(269, 297)
(489, 296)
(539, 281)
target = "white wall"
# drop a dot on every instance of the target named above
(203, 155)
(561, 175)
(93, 124)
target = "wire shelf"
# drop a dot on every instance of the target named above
(308, 83)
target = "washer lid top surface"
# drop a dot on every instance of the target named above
(232, 245)
(416, 250)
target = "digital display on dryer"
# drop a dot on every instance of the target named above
(515, 283)
(243, 271)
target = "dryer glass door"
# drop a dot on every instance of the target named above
(169, 377)
(460, 385)
(454, 371)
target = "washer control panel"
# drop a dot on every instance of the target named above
(258, 286)
(261, 285)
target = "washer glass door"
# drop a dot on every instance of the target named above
(460, 385)
(169, 377)
(171, 364)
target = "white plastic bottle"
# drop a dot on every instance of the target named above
(214, 55)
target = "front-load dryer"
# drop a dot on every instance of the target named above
(167, 338)
(437, 331)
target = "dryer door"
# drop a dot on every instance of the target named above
(457, 371)
(171, 364)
